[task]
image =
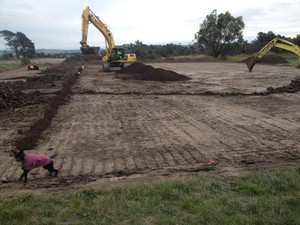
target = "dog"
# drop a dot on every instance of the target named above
(31, 161)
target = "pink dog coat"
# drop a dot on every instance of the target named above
(32, 161)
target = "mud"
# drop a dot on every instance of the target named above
(106, 129)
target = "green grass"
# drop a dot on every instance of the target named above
(260, 198)
(237, 58)
(9, 64)
(14, 64)
(291, 58)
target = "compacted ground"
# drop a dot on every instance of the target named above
(113, 127)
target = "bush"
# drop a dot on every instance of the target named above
(25, 61)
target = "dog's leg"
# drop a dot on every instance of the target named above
(24, 174)
(51, 169)
(21, 177)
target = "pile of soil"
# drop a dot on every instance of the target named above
(140, 71)
(91, 59)
(269, 59)
(293, 87)
(272, 59)
(12, 97)
(183, 59)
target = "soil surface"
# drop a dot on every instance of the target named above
(219, 120)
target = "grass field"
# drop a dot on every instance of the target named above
(9, 64)
(14, 64)
(259, 198)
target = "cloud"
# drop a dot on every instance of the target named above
(57, 24)
(280, 17)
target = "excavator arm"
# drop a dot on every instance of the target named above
(89, 17)
(276, 42)
(115, 56)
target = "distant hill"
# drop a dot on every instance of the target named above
(47, 51)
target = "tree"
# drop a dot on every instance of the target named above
(18, 43)
(218, 33)
(296, 40)
(263, 38)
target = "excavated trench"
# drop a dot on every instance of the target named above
(18, 94)
(31, 136)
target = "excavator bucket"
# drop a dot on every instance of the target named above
(250, 63)
(90, 50)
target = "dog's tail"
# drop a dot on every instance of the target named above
(53, 155)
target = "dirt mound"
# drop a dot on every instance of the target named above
(140, 71)
(293, 87)
(15, 94)
(269, 59)
(91, 59)
(272, 59)
(186, 59)
(11, 96)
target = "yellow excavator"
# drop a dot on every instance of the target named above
(276, 42)
(114, 56)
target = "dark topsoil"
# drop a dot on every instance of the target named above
(140, 71)
(59, 78)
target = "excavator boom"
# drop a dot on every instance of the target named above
(276, 42)
(89, 17)
(114, 57)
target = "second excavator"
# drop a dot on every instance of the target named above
(276, 42)
(114, 56)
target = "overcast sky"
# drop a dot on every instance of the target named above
(56, 24)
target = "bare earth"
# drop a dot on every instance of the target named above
(124, 130)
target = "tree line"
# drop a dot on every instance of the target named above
(18, 43)
(219, 35)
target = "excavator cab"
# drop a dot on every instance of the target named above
(117, 54)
